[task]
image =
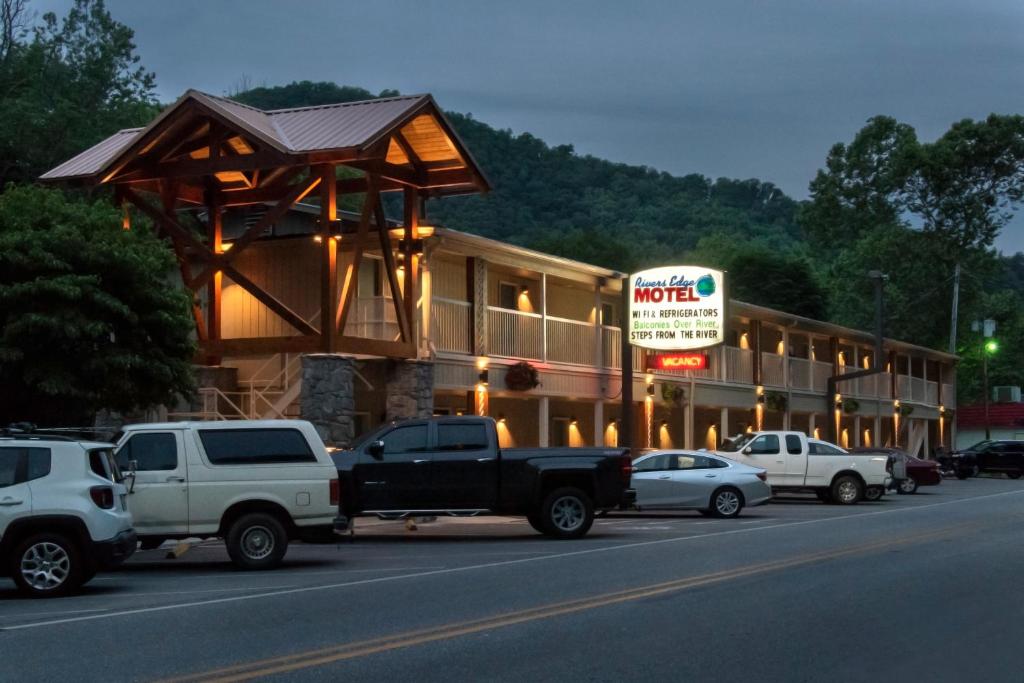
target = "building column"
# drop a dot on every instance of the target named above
(327, 398)
(543, 421)
(544, 316)
(598, 336)
(476, 292)
(724, 426)
(409, 390)
(811, 425)
(599, 423)
(856, 430)
(927, 428)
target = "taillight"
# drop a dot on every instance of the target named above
(335, 491)
(103, 496)
(763, 476)
(626, 469)
(888, 465)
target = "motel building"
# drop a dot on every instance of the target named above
(352, 318)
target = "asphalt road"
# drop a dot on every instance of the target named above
(923, 587)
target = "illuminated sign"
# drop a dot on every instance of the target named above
(677, 361)
(677, 308)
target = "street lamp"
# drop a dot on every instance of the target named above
(989, 346)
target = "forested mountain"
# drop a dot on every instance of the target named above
(605, 213)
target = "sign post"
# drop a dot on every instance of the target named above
(673, 308)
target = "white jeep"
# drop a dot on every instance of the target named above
(62, 512)
(255, 483)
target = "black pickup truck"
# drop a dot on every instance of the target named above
(454, 466)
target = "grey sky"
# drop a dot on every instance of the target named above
(724, 88)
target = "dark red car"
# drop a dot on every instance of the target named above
(919, 472)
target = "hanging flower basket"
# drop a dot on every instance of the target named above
(905, 409)
(672, 393)
(522, 377)
(775, 401)
(850, 405)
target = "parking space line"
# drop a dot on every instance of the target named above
(491, 565)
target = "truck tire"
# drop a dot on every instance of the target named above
(1013, 475)
(48, 566)
(726, 502)
(535, 521)
(873, 493)
(847, 490)
(962, 473)
(257, 541)
(567, 513)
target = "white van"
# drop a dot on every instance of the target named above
(255, 483)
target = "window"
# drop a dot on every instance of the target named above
(38, 463)
(255, 446)
(819, 448)
(693, 462)
(461, 437)
(410, 439)
(793, 444)
(766, 444)
(151, 452)
(102, 463)
(654, 463)
(508, 292)
(10, 466)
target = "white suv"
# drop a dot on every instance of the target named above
(255, 483)
(62, 512)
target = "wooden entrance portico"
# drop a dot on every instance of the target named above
(209, 154)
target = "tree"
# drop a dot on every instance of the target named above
(74, 83)
(88, 316)
(967, 183)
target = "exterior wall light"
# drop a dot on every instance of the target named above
(483, 376)
(650, 390)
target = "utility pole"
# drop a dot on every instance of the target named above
(626, 422)
(987, 328)
(956, 305)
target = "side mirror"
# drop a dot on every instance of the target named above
(376, 449)
(133, 466)
(747, 451)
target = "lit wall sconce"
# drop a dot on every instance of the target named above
(759, 391)
(650, 390)
(501, 419)
(896, 404)
(573, 421)
(483, 376)
(226, 246)
(942, 410)
(839, 402)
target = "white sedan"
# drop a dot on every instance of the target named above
(688, 480)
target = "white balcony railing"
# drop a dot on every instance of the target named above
(772, 372)
(570, 341)
(373, 318)
(931, 393)
(917, 388)
(515, 334)
(820, 372)
(799, 373)
(739, 365)
(449, 325)
(948, 396)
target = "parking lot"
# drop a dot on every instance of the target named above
(411, 593)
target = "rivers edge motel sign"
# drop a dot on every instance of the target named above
(677, 308)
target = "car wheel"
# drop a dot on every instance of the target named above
(48, 566)
(726, 502)
(962, 474)
(535, 522)
(257, 541)
(874, 493)
(567, 513)
(1013, 475)
(907, 486)
(824, 495)
(847, 490)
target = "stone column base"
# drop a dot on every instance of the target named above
(328, 398)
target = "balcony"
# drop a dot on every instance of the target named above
(449, 325)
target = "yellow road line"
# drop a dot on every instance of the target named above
(335, 653)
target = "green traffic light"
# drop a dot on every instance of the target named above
(991, 346)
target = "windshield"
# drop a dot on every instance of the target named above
(735, 443)
(978, 446)
(361, 439)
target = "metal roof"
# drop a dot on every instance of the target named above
(92, 160)
(301, 130)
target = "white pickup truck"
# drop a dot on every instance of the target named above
(258, 484)
(797, 463)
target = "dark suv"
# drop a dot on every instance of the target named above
(1006, 457)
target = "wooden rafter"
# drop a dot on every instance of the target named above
(410, 153)
(392, 271)
(294, 194)
(351, 280)
(168, 196)
(200, 250)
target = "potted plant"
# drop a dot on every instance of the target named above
(522, 377)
